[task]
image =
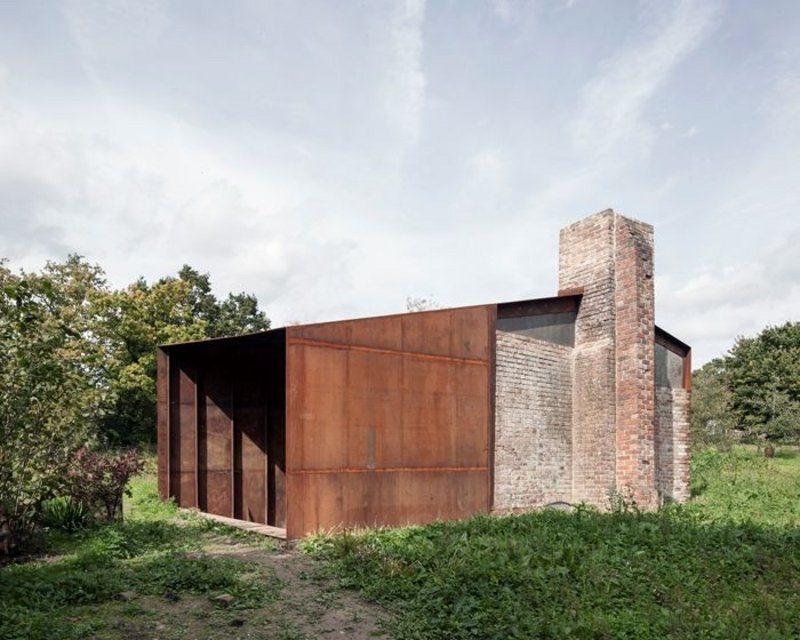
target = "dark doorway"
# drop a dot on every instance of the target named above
(227, 427)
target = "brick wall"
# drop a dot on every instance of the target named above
(579, 424)
(533, 424)
(672, 443)
(586, 261)
(635, 352)
(610, 258)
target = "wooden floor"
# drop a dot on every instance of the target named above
(253, 527)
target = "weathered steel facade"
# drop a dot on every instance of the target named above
(221, 426)
(408, 418)
(388, 419)
(360, 422)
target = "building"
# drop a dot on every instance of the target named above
(439, 414)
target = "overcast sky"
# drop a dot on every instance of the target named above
(336, 157)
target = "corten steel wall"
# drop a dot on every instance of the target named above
(221, 428)
(533, 424)
(389, 419)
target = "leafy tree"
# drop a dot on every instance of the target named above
(141, 317)
(235, 315)
(422, 304)
(711, 404)
(763, 375)
(77, 367)
(754, 387)
(52, 366)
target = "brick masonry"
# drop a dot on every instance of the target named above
(533, 423)
(616, 432)
(635, 353)
(586, 262)
(672, 444)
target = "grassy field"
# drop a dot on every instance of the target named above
(725, 566)
(74, 591)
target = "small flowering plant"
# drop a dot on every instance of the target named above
(100, 480)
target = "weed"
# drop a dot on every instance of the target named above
(726, 566)
(66, 514)
(152, 553)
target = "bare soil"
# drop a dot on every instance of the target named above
(310, 605)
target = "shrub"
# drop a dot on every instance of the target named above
(99, 480)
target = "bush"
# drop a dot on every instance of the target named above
(99, 480)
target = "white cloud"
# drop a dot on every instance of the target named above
(488, 168)
(502, 8)
(404, 83)
(717, 303)
(336, 158)
(610, 113)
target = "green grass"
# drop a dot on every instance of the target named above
(725, 566)
(154, 552)
(741, 485)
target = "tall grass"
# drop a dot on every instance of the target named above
(154, 552)
(741, 485)
(725, 566)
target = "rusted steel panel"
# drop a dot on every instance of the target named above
(276, 467)
(374, 410)
(352, 499)
(415, 414)
(250, 446)
(470, 326)
(222, 442)
(429, 413)
(318, 406)
(216, 444)
(379, 333)
(428, 332)
(182, 435)
(492, 400)
(388, 432)
(162, 421)
(473, 415)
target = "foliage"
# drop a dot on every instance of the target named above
(764, 378)
(51, 382)
(720, 568)
(99, 480)
(77, 367)
(422, 304)
(711, 418)
(154, 553)
(65, 513)
(755, 387)
(141, 317)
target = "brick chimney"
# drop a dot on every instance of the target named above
(610, 259)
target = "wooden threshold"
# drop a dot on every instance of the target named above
(246, 525)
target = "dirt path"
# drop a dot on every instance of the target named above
(308, 606)
(311, 602)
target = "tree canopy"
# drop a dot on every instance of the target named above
(135, 320)
(78, 367)
(77, 358)
(52, 380)
(755, 387)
